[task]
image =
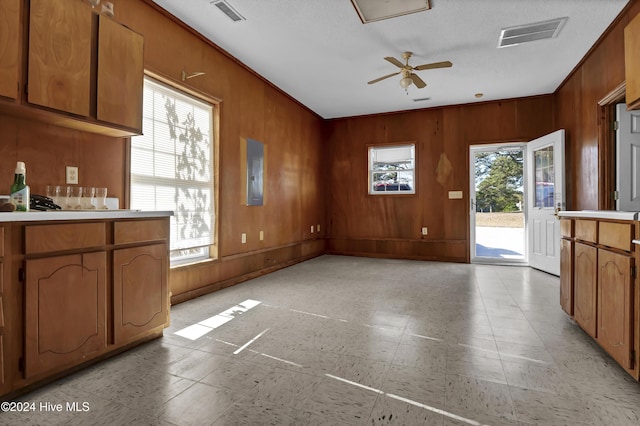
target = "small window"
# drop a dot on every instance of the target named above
(392, 169)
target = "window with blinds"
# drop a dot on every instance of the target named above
(172, 168)
(392, 169)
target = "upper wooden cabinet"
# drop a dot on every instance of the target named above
(60, 56)
(120, 74)
(9, 48)
(85, 69)
(632, 62)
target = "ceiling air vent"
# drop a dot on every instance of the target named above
(228, 10)
(530, 32)
(421, 99)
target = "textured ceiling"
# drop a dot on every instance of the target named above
(320, 53)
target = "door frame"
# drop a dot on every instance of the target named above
(606, 149)
(472, 210)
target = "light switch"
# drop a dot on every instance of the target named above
(455, 195)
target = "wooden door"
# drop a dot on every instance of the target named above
(566, 276)
(615, 302)
(120, 75)
(585, 264)
(9, 47)
(60, 55)
(65, 311)
(139, 291)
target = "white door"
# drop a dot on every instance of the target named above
(545, 194)
(627, 159)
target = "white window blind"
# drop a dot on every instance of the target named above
(172, 167)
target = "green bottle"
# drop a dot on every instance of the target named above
(20, 190)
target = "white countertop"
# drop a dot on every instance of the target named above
(33, 216)
(600, 214)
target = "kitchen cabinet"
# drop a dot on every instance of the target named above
(120, 74)
(566, 276)
(606, 295)
(74, 291)
(84, 71)
(60, 56)
(585, 291)
(4, 383)
(65, 311)
(566, 259)
(9, 48)
(139, 290)
(632, 62)
(615, 302)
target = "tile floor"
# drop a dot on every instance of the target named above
(350, 341)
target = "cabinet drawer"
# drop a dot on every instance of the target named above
(586, 230)
(52, 238)
(616, 235)
(140, 231)
(566, 228)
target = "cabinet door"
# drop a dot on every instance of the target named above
(60, 55)
(584, 296)
(9, 47)
(65, 311)
(120, 75)
(139, 291)
(4, 385)
(615, 299)
(632, 62)
(566, 276)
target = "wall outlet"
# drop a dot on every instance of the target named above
(455, 195)
(72, 175)
(424, 230)
(318, 227)
(312, 229)
(244, 238)
(261, 235)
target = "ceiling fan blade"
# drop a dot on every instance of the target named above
(418, 81)
(444, 64)
(394, 61)
(382, 78)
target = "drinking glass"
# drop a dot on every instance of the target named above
(87, 200)
(53, 192)
(75, 194)
(101, 198)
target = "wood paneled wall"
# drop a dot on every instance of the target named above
(47, 149)
(250, 107)
(577, 111)
(389, 226)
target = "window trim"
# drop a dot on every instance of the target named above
(412, 193)
(215, 134)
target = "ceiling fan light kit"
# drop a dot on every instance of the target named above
(406, 70)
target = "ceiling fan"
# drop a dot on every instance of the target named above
(406, 70)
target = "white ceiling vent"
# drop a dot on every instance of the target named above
(530, 32)
(228, 10)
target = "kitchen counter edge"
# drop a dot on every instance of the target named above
(600, 214)
(39, 216)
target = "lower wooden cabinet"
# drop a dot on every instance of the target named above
(566, 275)
(139, 290)
(615, 302)
(585, 289)
(602, 273)
(75, 291)
(65, 311)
